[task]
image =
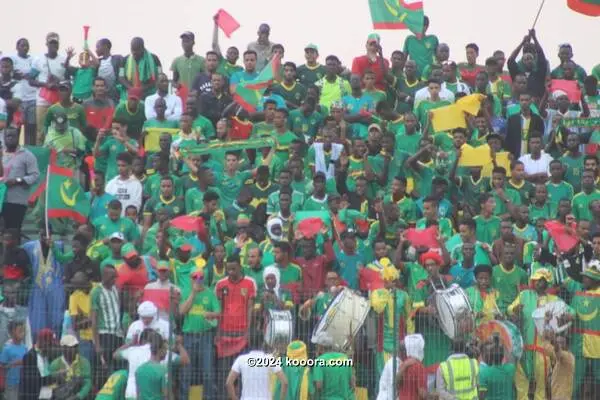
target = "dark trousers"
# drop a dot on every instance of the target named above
(201, 348)
(223, 367)
(13, 215)
(108, 343)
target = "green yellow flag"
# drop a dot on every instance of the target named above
(397, 14)
(249, 94)
(67, 197)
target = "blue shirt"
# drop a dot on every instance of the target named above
(465, 277)
(348, 266)
(99, 205)
(353, 105)
(242, 76)
(444, 208)
(11, 353)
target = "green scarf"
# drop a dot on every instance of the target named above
(144, 69)
(207, 148)
(580, 122)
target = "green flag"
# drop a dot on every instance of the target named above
(67, 197)
(397, 14)
(44, 158)
(249, 94)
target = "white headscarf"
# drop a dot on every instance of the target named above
(271, 224)
(147, 309)
(274, 271)
(415, 346)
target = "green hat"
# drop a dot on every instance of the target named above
(128, 251)
(312, 46)
(593, 271)
(374, 36)
(162, 265)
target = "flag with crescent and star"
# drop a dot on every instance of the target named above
(66, 198)
(397, 14)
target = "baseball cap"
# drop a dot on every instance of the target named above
(60, 118)
(264, 28)
(46, 336)
(162, 266)
(187, 34)
(128, 251)
(69, 341)
(52, 37)
(312, 46)
(134, 93)
(117, 235)
(374, 37)
(375, 126)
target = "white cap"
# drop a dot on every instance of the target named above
(69, 341)
(117, 235)
(147, 309)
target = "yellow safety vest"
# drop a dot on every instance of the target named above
(460, 375)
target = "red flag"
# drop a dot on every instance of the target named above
(564, 239)
(309, 227)
(182, 92)
(423, 237)
(591, 149)
(585, 7)
(369, 279)
(240, 129)
(571, 88)
(226, 22)
(185, 223)
(160, 298)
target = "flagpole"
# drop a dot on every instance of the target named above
(46, 202)
(538, 14)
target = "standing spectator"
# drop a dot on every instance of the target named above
(421, 47)
(75, 112)
(200, 311)
(11, 359)
(109, 144)
(188, 65)
(331, 376)
(35, 380)
(139, 69)
(312, 71)
(132, 275)
(131, 113)
(108, 67)
(521, 125)
(19, 170)
(262, 46)
(99, 109)
(79, 311)
(373, 61)
(80, 261)
(9, 90)
(160, 289)
(236, 293)
(203, 81)
(469, 70)
(247, 74)
(125, 187)
(255, 378)
(11, 310)
(23, 63)
(213, 103)
(148, 314)
(46, 72)
(106, 323)
(68, 141)
(333, 87)
(174, 106)
(534, 66)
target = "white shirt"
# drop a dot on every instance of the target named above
(174, 107)
(23, 65)
(137, 355)
(423, 94)
(107, 71)
(128, 192)
(460, 87)
(45, 67)
(386, 388)
(541, 165)
(137, 327)
(255, 380)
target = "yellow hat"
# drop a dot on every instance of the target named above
(542, 273)
(390, 274)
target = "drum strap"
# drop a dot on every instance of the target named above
(542, 351)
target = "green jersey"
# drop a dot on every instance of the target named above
(308, 75)
(524, 188)
(134, 119)
(511, 195)
(257, 275)
(305, 126)
(204, 127)
(106, 227)
(151, 380)
(314, 204)
(194, 321)
(335, 378)
(152, 185)
(472, 190)
(187, 68)
(497, 381)
(487, 230)
(291, 273)
(558, 192)
(377, 95)
(536, 212)
(273, 202)
(573, 170)
(284, 140)
(262, 128)
(293, 94)
(114, 388)
(422, 51)
(174, 206)
(507, 282)
(422, 178)
(403, 86)
(260, 195)
(408, 143)
(227, 69)
(581, 204)
(194, 199)
(75, 115)
(406, 206)
(444, 226)
(422, 110)
(109, 150)
(230, 186)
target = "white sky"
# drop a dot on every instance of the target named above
(338, 26)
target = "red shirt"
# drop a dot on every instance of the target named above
(235, 298)
(314, 270)
(363, 63)
(414, 378)
(468, 75)
(133, 278)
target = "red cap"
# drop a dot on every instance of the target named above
(46, 336)
(135, 93)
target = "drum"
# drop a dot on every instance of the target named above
(556, 308)
(344, 317)
(454, 312)
(509, 335)
(279, 328)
